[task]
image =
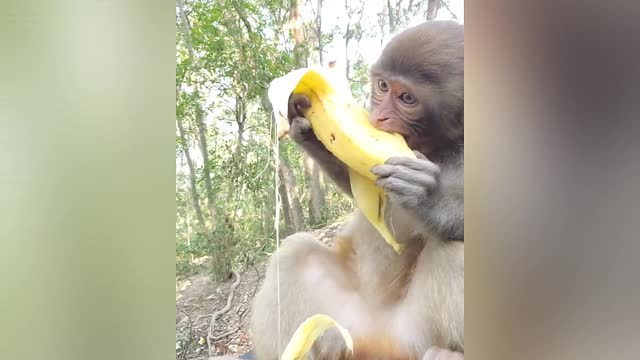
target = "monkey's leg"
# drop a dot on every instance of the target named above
(312, 280)
(435, 297)
(436, 353)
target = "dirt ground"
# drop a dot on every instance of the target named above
(198, 298)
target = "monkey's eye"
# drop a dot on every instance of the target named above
(383, 85)
(407, 98)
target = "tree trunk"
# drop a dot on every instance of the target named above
(243, 16)
(300, 59)
(297, 213)
(432, 9)
(186, 27)
(392, 17)
(267, 215)
(347, 38)
(192, 173)
(295, 20)
(319, 32)
(316, 196)
(206, 172)
(284, 200)
(241, 117)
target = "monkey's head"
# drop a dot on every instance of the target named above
(417, 86)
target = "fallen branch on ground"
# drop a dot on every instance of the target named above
(230, 332)
(210, 337)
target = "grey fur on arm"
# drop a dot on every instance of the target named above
(300, 131)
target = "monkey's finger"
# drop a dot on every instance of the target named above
(416, 164)
(400, 187)
(301, 132)
(420, 155)
(300, 124)
(387, 170)
(420, 179)
(383, 170)
(298, 103)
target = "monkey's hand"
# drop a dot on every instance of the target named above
(300, 131)
(436, 353)
(408, 182)
(300, 127)
(416, 185)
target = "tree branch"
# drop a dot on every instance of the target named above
(186, 29)
(218, 337)
(432, 9)
(214, 317)
(243, 15)
(445, 4)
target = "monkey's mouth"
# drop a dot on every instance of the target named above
(386, 127)
(407, 136)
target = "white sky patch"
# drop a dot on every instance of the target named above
(334, 14)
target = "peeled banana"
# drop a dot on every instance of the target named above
(308, 332)
(344, 129)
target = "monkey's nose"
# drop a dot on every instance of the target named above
(377, 121)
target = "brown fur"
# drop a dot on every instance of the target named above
(380, 348)
(416, 298)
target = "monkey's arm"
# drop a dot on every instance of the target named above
(300, 132)
(434, 196)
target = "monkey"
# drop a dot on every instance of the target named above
(410, 304)
(417, 91)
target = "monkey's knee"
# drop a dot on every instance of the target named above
(281, 298)
(436, 353)
(295, 249)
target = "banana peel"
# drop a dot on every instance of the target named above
(371, 200)
(308, 332)
(343, 128)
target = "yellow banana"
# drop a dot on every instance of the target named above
(344, 129)
(308, 332)
(371, 201)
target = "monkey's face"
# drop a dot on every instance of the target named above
(398, 106)
(418, 86)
